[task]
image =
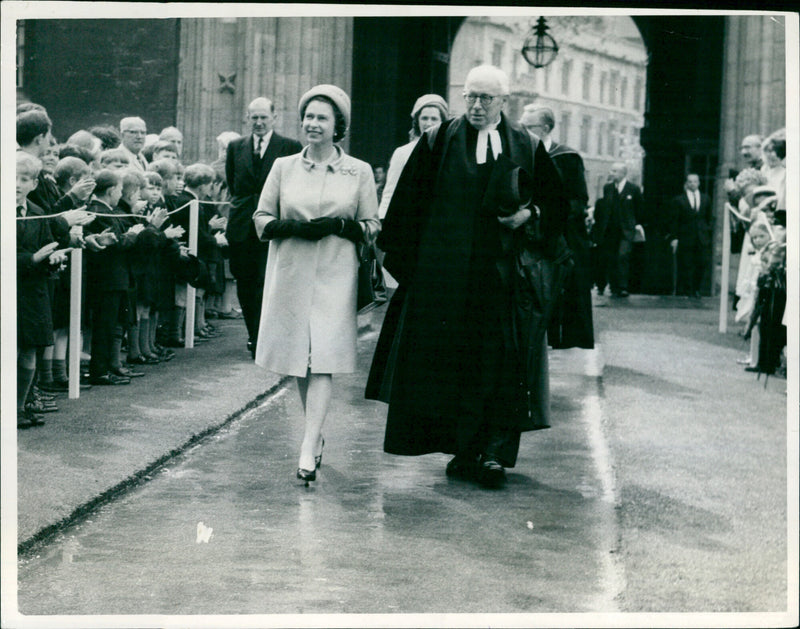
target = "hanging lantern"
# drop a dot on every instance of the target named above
(539, 48)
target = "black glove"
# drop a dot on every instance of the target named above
(352, 231)
(290, 228)
(328, 225)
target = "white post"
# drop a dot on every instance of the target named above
(75, 277)
(725, 272)
(194, 216)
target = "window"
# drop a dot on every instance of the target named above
(637, 94)
(601, 136)
(603, 81)
(20, 51)
(497, 54)
(612, 138)
(586, 128)
(566, 71)
(612, 88)
(564, 127)
(587, 81)
(623, 92)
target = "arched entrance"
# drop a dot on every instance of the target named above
(397, 59)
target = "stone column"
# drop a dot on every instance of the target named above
(753, 101)
(225, 63)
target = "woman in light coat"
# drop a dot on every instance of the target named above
(314, 208)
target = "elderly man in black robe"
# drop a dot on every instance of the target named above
(473, 235)
(571, 325)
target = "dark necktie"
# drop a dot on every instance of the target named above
(258, 148)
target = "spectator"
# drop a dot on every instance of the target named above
(134, 133)
(164, 149)
(115, 159)
(36, 259)
(109, 137)
(109, 280)
(774, 169)
(174, 136)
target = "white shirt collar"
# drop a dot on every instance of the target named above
(548, 142)
(266, 137)
(622, 183)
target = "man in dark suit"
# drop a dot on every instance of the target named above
(617, 219)
(247, 164)
(690, 235)
(572, 318)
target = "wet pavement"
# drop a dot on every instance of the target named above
(661, 487)
(375, 534)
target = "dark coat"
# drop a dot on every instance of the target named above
(459, 270)
(109, 269)
(246, 179)
(690, 227)
(572, 324)
(624, 209)
(34, 316)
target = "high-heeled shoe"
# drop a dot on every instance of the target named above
(306, 475)
(318, 458)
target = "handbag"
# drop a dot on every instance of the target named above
(371, 285)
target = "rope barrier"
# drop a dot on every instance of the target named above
(83, 207)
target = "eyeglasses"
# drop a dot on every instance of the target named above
(486, 99)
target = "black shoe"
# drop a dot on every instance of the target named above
(38, 394)
(109, 379)
(164, 353)
(229, 315)
(174, 342)
(39, 407)
(752, 369)
(28, 419)
(55, 386)
(251, 347)
(141, 359)
(306, 475)
(127, 373)
(491, 473)
(462, 467)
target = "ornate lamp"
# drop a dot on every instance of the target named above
(539, 48)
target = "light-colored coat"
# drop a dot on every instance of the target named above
(308, 313)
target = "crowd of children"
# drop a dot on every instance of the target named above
(757, 207)
(131, 217)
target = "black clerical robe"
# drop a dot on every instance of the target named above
(451, 360)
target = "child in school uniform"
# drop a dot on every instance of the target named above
(169, 330)
(199, 180)
(114, 159)
(37, 258)
(109, 280)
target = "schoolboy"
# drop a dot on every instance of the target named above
(109, 279)
(36, 259)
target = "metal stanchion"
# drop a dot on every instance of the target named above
(194, 216)
(76, 264)
(724, 276)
